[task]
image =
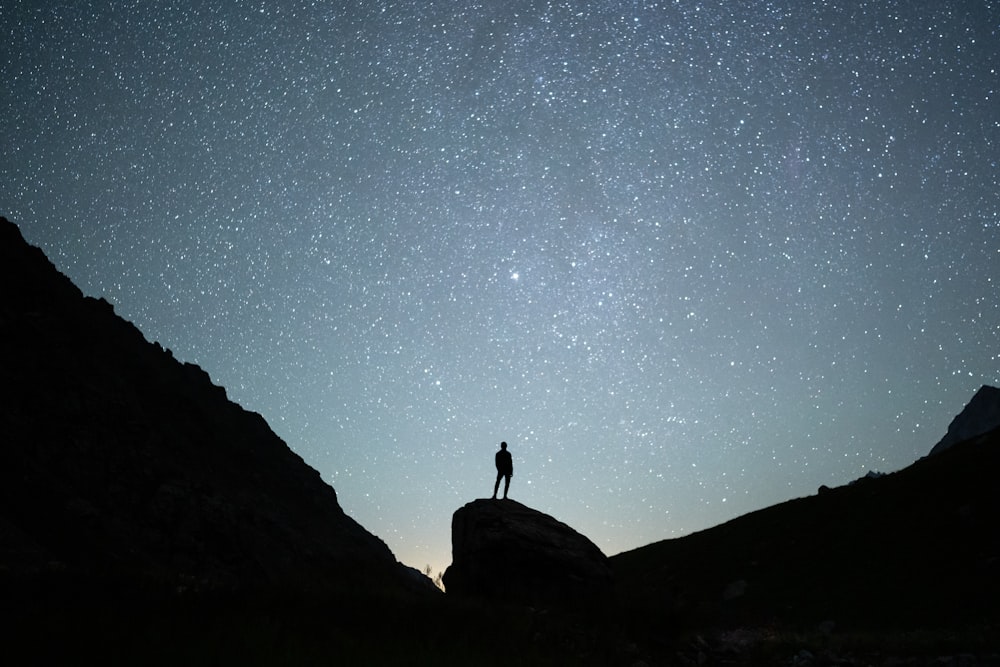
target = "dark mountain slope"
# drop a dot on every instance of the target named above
(117, 461)
(915, 549)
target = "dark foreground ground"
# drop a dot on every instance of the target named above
(62, 622)
(899, 571)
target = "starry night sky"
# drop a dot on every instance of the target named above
(689, 258)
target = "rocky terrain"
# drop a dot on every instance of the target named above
(120, 462)
(505, 551)
(980, 416)
(905, 563)
(147, 519)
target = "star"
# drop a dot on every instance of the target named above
(756, 247)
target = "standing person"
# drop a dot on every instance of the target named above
(505, 469)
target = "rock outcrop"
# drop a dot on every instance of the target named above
(117, 461)
(505, 551)
(979, 416)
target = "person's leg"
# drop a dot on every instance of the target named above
(496, 486)
(506, 484)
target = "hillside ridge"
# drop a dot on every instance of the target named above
(118, 460)
(913, 548)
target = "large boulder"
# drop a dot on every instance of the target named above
(505, 551)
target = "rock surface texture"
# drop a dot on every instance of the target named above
(118, 461)
(505, 551)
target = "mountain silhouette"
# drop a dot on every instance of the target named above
(120, 462)
(147, 519)
(980, 415)
(916, 548)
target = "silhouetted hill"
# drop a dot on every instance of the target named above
(914, 549)
(146, 519)
(118, 462)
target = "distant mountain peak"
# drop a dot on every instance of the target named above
(981, 415)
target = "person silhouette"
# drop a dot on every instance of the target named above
(505, 469)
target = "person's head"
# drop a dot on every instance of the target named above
(503, 445)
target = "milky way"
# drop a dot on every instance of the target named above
(688, 258)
